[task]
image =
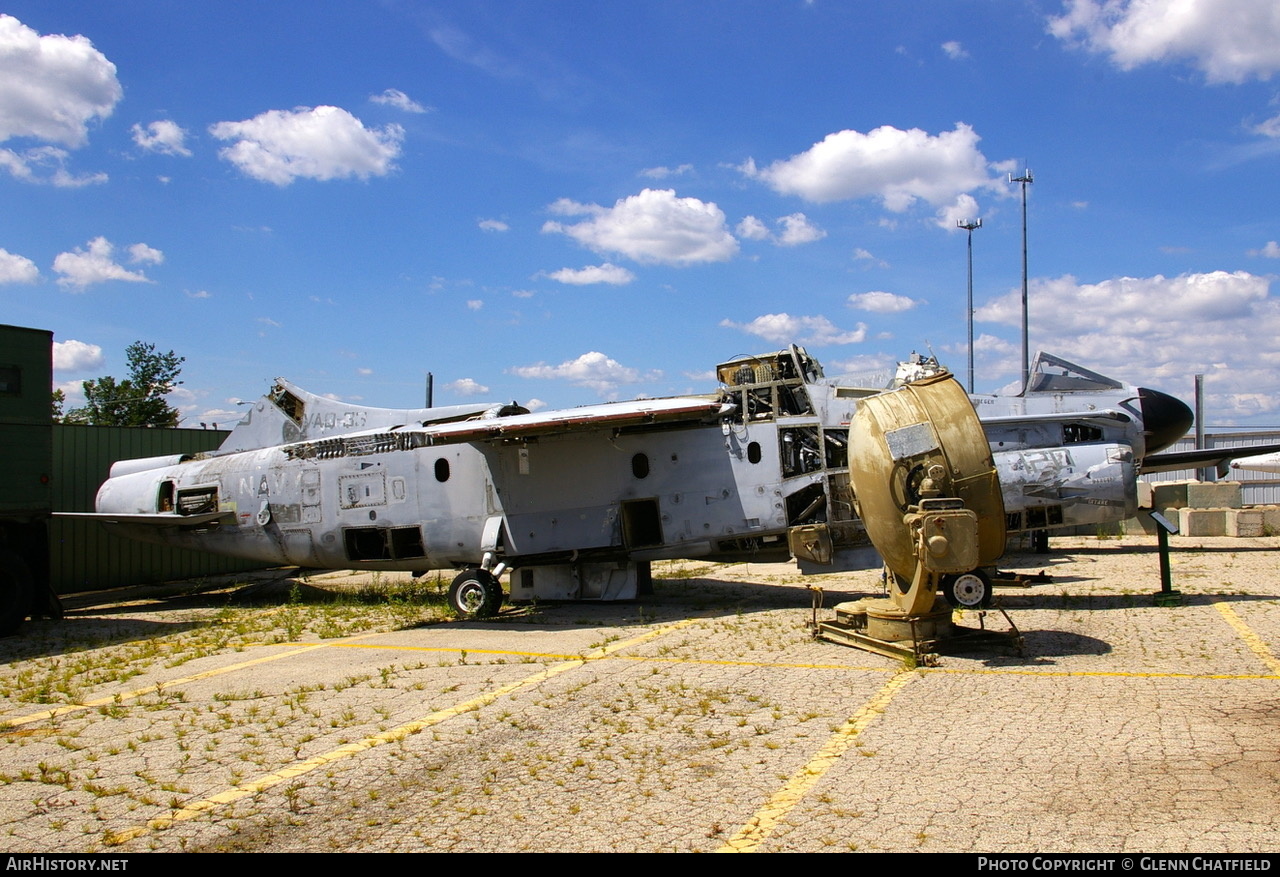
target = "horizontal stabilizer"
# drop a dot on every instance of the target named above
(158, 519)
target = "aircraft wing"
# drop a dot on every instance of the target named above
(1106, 415)
(1220, 458)
(612, 415)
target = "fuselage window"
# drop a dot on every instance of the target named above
(753, 452)
(640, 465)
(442, 470)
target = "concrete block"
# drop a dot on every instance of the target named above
(1202, 522)
(1169, 495)
(1214, 495)
(1270, 519)
(1195, 495)
(1139, 525)
(1146, 495)
(1245, 523)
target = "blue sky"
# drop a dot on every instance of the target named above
(564, 202)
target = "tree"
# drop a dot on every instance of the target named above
(138, 400)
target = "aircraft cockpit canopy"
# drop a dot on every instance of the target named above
(1052, 374)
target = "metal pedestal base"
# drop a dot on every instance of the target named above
(877, 625)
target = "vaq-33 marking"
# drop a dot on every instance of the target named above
(575, 503)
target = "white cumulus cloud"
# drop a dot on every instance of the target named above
(81, 268)
(1271, 250)
(653, 227)
(17, 269)
(46, 164)
(954, 50)
(797, 229)
(1159, 331)
(752, 229)
(661, 173)
(466, 387)
(394, 97)
(863, 255)
(593, 370)
(1229, 40)
(53, 86)
(793, 230)
(963, 209)
(1269, 128)
(881, 302)
(789, 329)
(897, 167)
(145, 255)
(162, 136)
(74, 356)
(323, 143)
(493, 225)
(1144, 304)
(606, 273)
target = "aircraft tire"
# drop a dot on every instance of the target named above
(475, 593)
(969, 590)
(15, 591)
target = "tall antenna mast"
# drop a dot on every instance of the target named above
(969, 225)
(1026, 348)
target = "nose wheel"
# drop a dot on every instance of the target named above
(475, 593)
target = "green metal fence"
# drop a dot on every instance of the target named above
(83, 555)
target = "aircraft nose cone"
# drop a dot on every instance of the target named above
(1165, 419)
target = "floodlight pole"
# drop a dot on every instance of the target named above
(969, 225)
(1026, 350)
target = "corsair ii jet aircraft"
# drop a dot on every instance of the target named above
(575, 503)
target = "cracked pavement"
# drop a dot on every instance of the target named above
(703, 718)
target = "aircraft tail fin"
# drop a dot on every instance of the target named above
(288, 414)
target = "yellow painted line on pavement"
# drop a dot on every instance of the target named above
(795, 665)
(1102, 674)
(559, 657)
(1251, 639)
(230, 796)
(155, 688)
(392, 647)
(762, 824)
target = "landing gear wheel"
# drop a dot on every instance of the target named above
(475, 593)
(970, 590)
(16, 584)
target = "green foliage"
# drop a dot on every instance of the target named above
(138, 400)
